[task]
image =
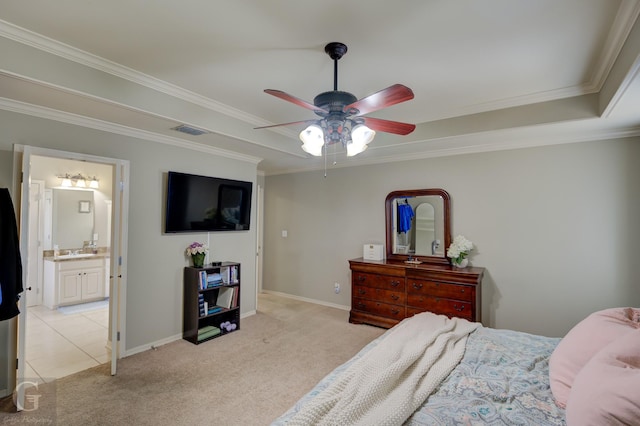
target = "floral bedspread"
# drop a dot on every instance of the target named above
(503, 379)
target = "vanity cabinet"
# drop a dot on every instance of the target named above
(73, 281)
(385, 292)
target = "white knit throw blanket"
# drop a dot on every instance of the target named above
(394, 378)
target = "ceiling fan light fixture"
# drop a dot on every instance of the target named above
(312, 140)
(355, 148)
(341, 113)
(361, 134)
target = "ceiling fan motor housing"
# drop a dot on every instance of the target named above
(334, 102)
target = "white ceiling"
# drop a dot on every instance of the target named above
(487, 75)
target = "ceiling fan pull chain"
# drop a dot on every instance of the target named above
(325, 159)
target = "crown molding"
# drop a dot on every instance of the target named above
(54, 47)
(92, 123)
(500, 140)
(622, 25)
(626, 16)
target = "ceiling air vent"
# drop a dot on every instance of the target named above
(190, 130)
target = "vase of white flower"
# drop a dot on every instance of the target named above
(459, 250)
(198, 252)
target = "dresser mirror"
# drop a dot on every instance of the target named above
(418, 225)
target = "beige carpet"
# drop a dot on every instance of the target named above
(248, 377)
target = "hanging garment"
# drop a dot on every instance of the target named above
(10, 260)
(405, 214)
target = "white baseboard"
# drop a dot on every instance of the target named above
(161, 342)
(305, 299)
(152, 345)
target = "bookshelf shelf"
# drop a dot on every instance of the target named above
(211, 301)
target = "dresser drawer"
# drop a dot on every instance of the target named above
(385, 282)
(383, 309)
(439, 289)
(379, 294)
(437, 305)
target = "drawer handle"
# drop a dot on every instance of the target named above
(361, 305)
(395, 283)
(361, 278)
(395, 311)
(361, 291)
(417, 286)
(458, 308)
(395, 297)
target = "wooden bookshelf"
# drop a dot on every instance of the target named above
(211, 302)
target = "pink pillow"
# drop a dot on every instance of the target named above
(607, 390)
(582, 342)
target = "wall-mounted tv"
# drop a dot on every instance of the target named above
(202, 204)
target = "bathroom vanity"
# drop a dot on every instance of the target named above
(72, 280)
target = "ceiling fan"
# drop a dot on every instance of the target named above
(342, 113)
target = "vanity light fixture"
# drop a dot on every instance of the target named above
(78, 181)
(66, 181)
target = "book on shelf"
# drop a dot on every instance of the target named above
(234, 274)
(213, 280)
(202, 279)
(225, 297)
(224, 273)
(214, 309)
(201, 305)
(234, 303)
(208, 331)
(214, 277)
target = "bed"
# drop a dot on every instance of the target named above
(498, 377)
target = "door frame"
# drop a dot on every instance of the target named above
(118, 248)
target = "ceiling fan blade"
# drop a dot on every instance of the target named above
(388, 126)
(287, 124)
(289, 98)
(384, 98)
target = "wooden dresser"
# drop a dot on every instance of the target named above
(385, 292)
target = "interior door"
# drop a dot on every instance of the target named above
(118, 264)
(33, 287)
(24, 249)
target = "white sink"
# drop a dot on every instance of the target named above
(75, 256)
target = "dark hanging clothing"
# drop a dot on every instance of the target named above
(10, 260)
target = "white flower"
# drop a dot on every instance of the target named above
(459, 248)
(197, 248)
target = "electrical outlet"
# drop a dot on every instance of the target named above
(336, 287)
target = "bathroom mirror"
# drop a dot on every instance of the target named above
(72, 218)
(418, 225)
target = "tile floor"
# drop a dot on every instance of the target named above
(58, 344)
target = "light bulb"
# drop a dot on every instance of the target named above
(312, 138)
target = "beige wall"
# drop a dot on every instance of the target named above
(556, 228)
(155, 260)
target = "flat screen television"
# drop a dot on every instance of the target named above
(202, 204)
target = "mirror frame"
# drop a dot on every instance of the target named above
(389, 225)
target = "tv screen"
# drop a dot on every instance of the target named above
(202, 203)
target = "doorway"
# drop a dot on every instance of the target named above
(114, 208)
(63, 336)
